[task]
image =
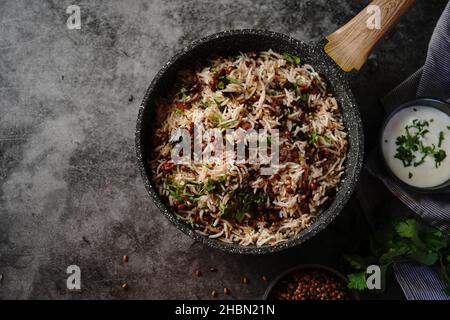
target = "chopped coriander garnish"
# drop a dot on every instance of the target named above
(240, 215)
(326, 138)
(218, 104)
(313, 138)
(441, 138)
(291, 58)
(411, 143)
(180, 192)
(224, 81)
(210, 185)
(421, 161)
(410, 175)
(216, 118)
(448, 127)
(246, 201)
(439, 157)
(233, 80)
(224, 210)
(184, 96)
(229, 123)
(205, 104)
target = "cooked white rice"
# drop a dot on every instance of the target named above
(234, 202)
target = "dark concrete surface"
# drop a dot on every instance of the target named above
(70, 192)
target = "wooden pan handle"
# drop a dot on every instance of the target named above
(350, 45)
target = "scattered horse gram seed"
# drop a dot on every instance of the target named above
(214, 293)
(226, 291)
(245, 280)
(125, 286)
(212, 269)
(264, 278)
(125, 258)
(198, 273)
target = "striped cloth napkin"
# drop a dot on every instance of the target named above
(432, 80)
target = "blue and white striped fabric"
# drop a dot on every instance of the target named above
(419, 282)
(432, 80)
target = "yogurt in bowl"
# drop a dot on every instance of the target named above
(416, 144)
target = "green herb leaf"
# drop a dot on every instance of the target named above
(210, 185)
(217, 103)
(205, 104)
(233, 80)
(228, 123)
(240, 215)
(313, 138)
(223, 179)
(426, 258)
(439, 157)
(357, 281)
(436, 240)
(215, 118)
(325, 138)
(355, 261)
(224, 210)
(411, 240)
(224, 81)
(441, 138)
(407, 228)
(396, 251)
(184, 96)
(411, 142)
(305, 97)
(179, 111)
(291, 58)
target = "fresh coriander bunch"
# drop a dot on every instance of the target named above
(407, 239)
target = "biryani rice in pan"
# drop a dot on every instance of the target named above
(234, 202)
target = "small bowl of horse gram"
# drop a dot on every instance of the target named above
(310, 282)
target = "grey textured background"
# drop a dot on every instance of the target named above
(70, 192)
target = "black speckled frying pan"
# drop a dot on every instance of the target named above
(349, 47)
